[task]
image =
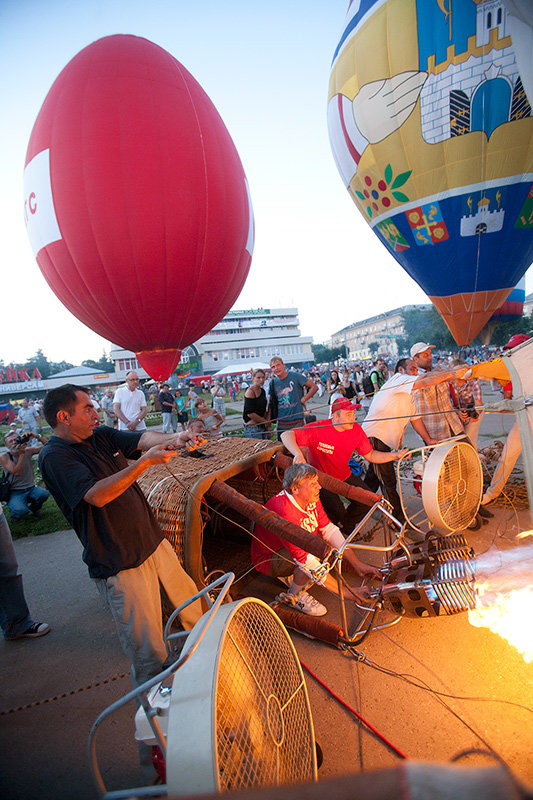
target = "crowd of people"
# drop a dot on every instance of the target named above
(91, 471)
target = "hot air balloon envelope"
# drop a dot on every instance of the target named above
(431, 130)
(136, 202)
(513, 306)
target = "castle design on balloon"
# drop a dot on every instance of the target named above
(483, 221)
(474, 83)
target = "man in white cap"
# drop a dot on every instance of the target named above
(434, 403)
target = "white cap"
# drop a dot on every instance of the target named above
(419, 347)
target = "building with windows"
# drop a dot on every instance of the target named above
(254, 334)
(383, 329)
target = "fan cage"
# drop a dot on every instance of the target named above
(452, 486)
(264, 730)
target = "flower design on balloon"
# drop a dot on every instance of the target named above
(376, 193)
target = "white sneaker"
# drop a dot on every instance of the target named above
(308, 605)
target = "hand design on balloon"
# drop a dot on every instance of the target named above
(381, 107)
(378, 109)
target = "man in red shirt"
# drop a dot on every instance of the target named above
(299, 503)
(329, 445)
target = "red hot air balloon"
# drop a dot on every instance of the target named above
(136, 202)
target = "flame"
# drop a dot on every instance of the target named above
(508, 614)
(504, 592)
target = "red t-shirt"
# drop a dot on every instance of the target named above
(330, 449)
(312, 520)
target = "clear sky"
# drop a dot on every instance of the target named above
(265, 66)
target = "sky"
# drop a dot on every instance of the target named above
(265, 66)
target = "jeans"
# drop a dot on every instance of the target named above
(21, 503)
(169, 422)
(15, 617)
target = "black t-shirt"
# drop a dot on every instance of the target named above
(123, 533)
(257, 405)
(166, 397)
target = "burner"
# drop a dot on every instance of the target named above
(440, 579)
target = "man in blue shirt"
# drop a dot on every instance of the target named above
(289, 392)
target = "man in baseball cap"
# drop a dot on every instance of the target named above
(328, 446)
(514, 341)
(420, 347)
(434, 403)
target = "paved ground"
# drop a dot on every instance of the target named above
(43, 746)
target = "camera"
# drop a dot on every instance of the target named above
(22, 438)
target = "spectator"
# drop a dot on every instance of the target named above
(218, 393)
(379, 374)
(210, 417)
(25, 497)
(255, 416)
(168, 409)
(193, 397)
(15, 618)
(110, 418)
(29, 417)
(183, 417)
(334, 388)
(350, 390)
(287, 398)
(129, 405)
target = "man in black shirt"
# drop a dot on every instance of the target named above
(86, 470)
(168, 409)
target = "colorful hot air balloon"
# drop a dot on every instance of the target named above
(511, 309)
(136, 202)
(431, 130)
(513, 306)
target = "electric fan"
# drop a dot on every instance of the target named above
(239, 712)
(452, 487)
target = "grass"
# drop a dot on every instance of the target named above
(51, 520)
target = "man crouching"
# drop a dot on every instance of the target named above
(299, 503)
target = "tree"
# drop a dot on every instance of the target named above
(40, 361)
(327, 355)
(374, 348)
(421, 325)
(105, 364)
(504, 330)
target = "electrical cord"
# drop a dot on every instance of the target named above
(356, 714)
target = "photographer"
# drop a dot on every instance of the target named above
(25, 497)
